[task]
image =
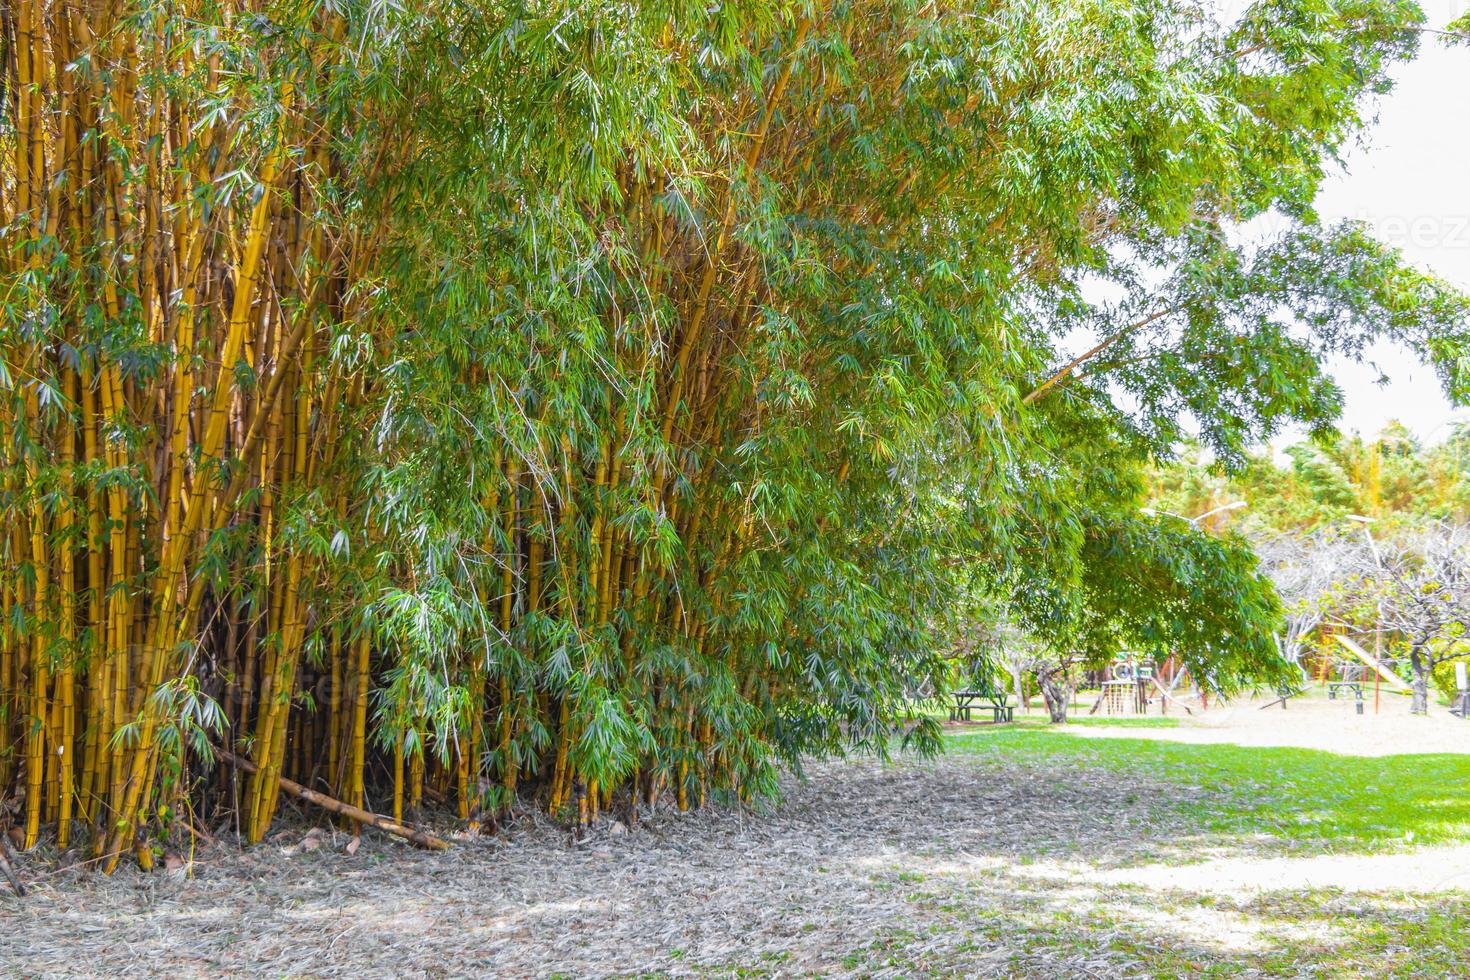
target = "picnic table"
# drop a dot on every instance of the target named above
(999, 704)
(1357, 689)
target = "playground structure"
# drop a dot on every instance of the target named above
(1350, 673)
(1134, 686)
(1379, 667)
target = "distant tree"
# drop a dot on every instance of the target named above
(1394, 477)
(1418, 587)
(1016, 655)
(1023, 657)
(1309, 571)
(1053, 675)
(1323, 476)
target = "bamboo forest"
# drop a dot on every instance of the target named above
(462, 417)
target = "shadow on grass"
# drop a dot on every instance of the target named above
(1142, 932)
(1036, 853)
(1306, 799)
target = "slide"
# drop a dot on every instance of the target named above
(1389, 677)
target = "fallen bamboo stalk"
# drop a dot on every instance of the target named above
(419, 837)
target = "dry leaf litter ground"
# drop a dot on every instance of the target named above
(970, 865)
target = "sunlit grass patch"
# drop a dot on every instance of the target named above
(1097, 721)
(1300, 798)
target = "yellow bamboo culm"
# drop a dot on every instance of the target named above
(167, 630)
(204, 540)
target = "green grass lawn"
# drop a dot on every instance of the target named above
(1304, 799)
(1097, 721)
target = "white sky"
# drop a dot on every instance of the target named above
(1411, 182)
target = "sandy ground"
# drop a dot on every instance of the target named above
(963, 866)
(1313, 722)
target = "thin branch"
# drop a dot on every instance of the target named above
(1088, 355)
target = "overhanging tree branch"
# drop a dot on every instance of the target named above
(1046, 386)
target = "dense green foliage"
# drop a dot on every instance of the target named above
(1392, 478)
(673, 375)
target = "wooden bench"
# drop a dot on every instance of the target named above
(998, 704)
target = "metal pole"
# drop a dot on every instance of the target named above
(1377, 630)
(1378, 626)
(1377, 635)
